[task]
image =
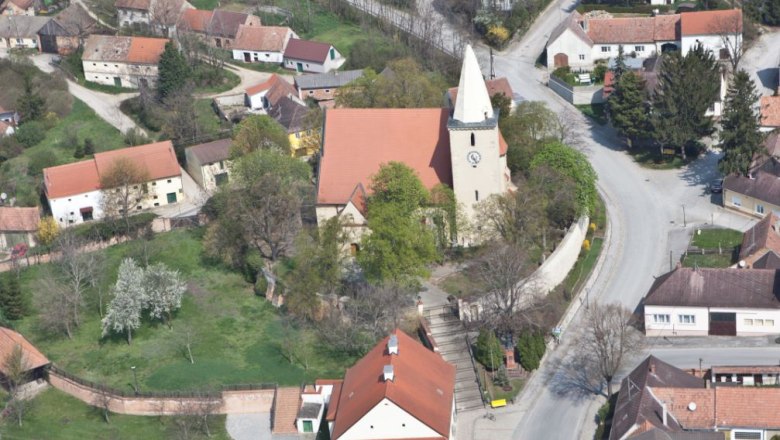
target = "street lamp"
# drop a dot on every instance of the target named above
(135, 379)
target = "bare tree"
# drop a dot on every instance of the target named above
(16, 373)
(728, 27)
(611, 338)
(124, 188)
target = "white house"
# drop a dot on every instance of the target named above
(311, 56)
(122, 61)
(261, 44)
(74, 192)
(209, 163)
(699, 302)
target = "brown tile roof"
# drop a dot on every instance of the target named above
(633, 29)
(356, 142)
(770, 111)
(141, 5)
(9, 339)
(306, 50)
(494, 86)
(138, 50)
(678, 402)
(19, 219)
(706, 287)
(423, 386)
(286, 404)
(212, 152)
(158, 159)
(763, 236)
(747, 407)
(711, 22)
(262, 38)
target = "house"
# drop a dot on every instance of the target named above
(68, 30)
(497, 86)
(34, 361)
(219, 28)
(758, 193)
(770, 113)
(398, 390)
(322, 87)
(292, 115)
(18, 225)
(311, 56)
(19, 7)
(261, 97)
(74, 192)
(263, 44)
(760, 247)
(122, 61)
(209, 163)
(660, 401)
(21, 31)
(705, 301)
(461, 148)
(581, 40)
(161, 15)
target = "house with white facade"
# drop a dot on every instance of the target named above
(74, 191)
(706, 301)
(311, 56)
(209, 164)
(261, 44)
(129, 62)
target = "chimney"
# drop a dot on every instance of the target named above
(664, 414)
(392, 345)
(389, 374)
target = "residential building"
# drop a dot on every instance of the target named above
(66, 32)
(758, 193)
(209, 164)
(311, 56)
(322, 87)
(497, 86)
(760, 247)
(18, 225)
(19, 7)
(581, 40)
(705, 301)
(461, 148)
(261, 44)
(660, 401)
(160, 15)
(75, 194)
(770, 113)
(21, 31)
(122, 61)
(36, 362)
(218, 28)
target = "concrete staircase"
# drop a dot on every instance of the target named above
(450, 336)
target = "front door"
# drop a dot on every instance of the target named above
(723, 324)
(171, 197)
(118, 81)
(299, 67)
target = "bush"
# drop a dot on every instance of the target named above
(531, 347)
(31, 133)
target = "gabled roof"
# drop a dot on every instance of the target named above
(211, 152)
(707, 287)
(141, 5)
(9, 339)
(307, 50)
(423, 386)
(711, 22)
(330, 80)
(262, 38)
(137, 50)
(19, 219)
(770, 111)
(763, 235)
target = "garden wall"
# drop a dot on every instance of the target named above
(578, 95)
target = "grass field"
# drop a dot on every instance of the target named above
(54, 414)
(238, 335)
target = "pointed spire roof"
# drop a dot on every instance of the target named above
(473, 103)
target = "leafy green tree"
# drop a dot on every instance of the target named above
(740, 137)
(488, 350)
(627, 107)
(30, 105)
(688, 86)
(173, 70)
(260, 132)
(574, 165)
(11, 299)
(531, 347)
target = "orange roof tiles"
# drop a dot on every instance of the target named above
(9, 339)
(770, 111)
(423, 386)
(711, 22)
(286, 404)
(262, 38)
(356, 142)
(19, 219)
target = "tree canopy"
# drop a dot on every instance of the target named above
(740, 137)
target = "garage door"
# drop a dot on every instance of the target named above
(723, 324)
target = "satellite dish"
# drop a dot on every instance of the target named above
(3, 196)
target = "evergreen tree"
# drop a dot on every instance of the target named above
(620, 64)
(173, 70)
(31, 106)
(89, 147)
(740, 137)
(688, 86)
(11, 298)
(627, 109)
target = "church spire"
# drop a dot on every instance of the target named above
(473, 103)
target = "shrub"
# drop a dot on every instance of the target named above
(31, 133)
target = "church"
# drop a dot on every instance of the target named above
(460, 147)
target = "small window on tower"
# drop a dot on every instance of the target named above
(473, 139)
(476, 195)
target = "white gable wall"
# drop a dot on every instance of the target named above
(388, 421)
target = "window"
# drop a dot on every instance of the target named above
(661, 319)
(759, 209)
(473, 139)
(582, 57)
(736, 201)
(687, 319)
(748, 321)
(606, 48)
(639, 48)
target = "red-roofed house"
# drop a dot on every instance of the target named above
(311, 56)
(74, 192)
(122, 61)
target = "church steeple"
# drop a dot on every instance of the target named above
(473, 102)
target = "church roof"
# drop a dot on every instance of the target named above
(473, 103)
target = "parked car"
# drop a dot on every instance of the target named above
(716, 186)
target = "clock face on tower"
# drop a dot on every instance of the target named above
(473, 157)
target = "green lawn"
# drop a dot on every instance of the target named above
(238, 335)
(55, 414)
(712, 238)
(596, 112)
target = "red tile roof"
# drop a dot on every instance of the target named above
(19, 219)
(423, 386)
(9, 339)
(711, 22)
(494, 86)
(262, 38)
(306, 50)
(770, 111)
